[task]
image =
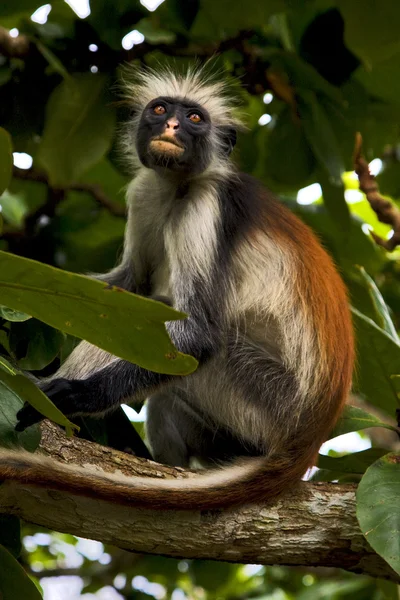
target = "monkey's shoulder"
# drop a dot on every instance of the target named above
(247, 203)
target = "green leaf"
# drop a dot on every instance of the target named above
(10, 403)
(389, 589)
(10, 534)
(327, 475)
(373, 35)
(7, 367)
(333, 195)
(14, 390)
(378, 508)
(211, 575)
(6, 159)
(53, 61)
(300, 75)
(356, 419)
(289, 159)
(34, 344)
(122, 323)
(5, 75)
(14, 208)
(14, 582)
(378, 362)
(320, 135)
(357, 462)
(383, 318)
(225, 18)
(9, 314)
(154, 34)
(383, 80)
(72, 140)
(357, 589)
(347, 248)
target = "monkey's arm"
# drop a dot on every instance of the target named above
(108, 387)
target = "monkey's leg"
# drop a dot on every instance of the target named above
(177, 432)
(173, 429)
(250, 396)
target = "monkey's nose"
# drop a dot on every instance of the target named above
(172, 124)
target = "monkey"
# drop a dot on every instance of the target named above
(268, 318)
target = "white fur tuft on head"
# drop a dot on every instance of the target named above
(142, 86)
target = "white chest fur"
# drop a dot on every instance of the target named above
(176, 237)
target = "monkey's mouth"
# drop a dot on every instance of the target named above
(167, 145)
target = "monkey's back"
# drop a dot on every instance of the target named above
(290, 292)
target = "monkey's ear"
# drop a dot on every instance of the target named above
(228, 139)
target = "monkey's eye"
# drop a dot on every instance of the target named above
(159, 109)
(195, 117)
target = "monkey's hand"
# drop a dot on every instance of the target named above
(63, 393)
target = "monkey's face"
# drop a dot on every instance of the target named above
(174, 134)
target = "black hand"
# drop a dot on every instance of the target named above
(63, 393)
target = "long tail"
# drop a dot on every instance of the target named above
(253, 480)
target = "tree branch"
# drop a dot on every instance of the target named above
(33, 174)
(385, 211)
(314, 525)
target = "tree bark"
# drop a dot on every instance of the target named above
(313, 525)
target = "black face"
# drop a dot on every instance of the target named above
(174, 134)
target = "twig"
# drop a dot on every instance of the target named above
(91, 188)
(385, 211)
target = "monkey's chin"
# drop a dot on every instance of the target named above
(165, 148)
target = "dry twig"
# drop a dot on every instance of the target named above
(385, 211)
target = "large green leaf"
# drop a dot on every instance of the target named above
(378, 508)
(300, 75)
(72, 140)
(6, 159)
(11, 400)
(356, 419)
(211, 575)
(333, 195)
(348, 248)
(14, 208)
(382, 316)
(9, 314)
(289, 159)
(15, 388)
(378, 363)
(383, 80)
(122, 323)
(371, 29)
(357, 462)
(356, 589)
(320, 135)
(9, 8)
(224, 18)
(14, 582)
(34, 344)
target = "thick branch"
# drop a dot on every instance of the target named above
(94, 189)
(385, 211)
(315, 525)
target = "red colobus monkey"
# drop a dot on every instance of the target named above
(268, 318)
